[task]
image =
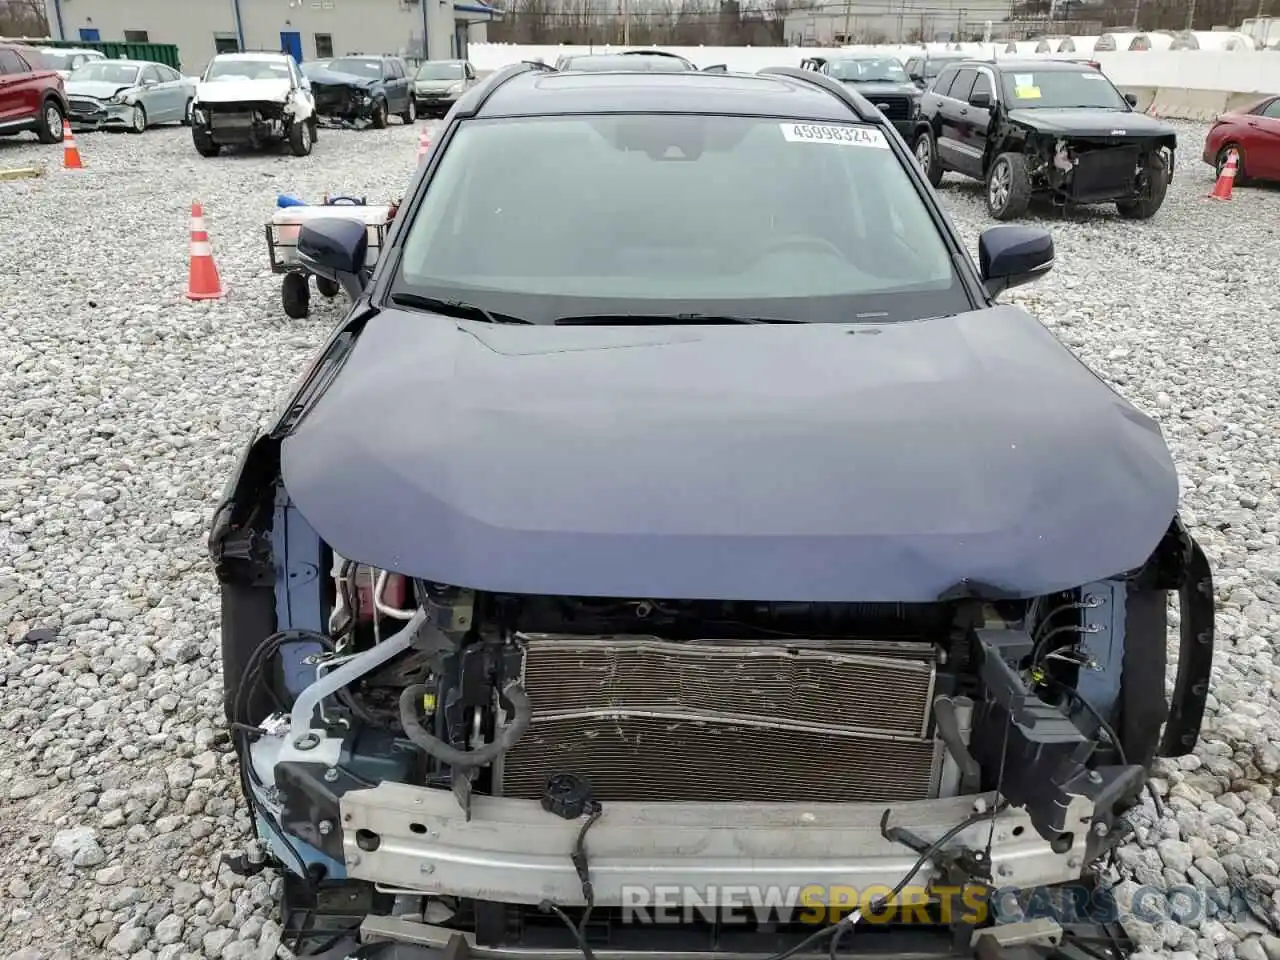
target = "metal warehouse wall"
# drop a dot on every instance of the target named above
(371, 26)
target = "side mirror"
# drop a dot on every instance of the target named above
(1131, 99)
(917, 78)
(980, 100)
(335, 249)
(1009, 256)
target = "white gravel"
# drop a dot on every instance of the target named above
(122, 406)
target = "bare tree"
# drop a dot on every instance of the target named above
(23, 18)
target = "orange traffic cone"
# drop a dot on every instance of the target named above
(203, 282)
(424, 145)
(70, 152)
(1222, 189)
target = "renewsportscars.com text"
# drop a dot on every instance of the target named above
(817, 904)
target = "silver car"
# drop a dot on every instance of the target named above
(439, 83)
(128, 94)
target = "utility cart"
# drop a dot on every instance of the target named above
(282, 246)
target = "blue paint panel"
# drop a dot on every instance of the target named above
(296, 548)
(291, 43)
(90, 34)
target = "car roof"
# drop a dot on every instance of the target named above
(1033, 66)
(252, 55)
(543, 92)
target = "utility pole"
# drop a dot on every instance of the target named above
(1191, 14)
(626, 23)
(848, 12)
(1137, 5)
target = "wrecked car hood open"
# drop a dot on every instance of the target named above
(1091, 123)
(814, 462)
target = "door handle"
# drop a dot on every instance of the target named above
(964, 111)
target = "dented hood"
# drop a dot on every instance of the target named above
(816, 462)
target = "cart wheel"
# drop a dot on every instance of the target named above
(295, 295)
(327, 287)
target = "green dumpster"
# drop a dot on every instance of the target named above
(166, 53)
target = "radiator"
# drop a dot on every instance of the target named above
(644, 719)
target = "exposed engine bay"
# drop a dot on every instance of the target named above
(432, 752)
(344, 104)
(251, 123)
(1094, 169)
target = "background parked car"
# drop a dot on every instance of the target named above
(128, 94)
(31, 96)
(439, 83)
(1254, 133)
(66, 61)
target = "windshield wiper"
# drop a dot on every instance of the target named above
(454, 308)
(661, 319)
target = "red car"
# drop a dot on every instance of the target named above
(32, 97)
(1255, 134)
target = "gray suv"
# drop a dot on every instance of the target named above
(438, 84)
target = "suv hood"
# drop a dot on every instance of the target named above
(239, 91)
(821, 462)
(1091, 123)
(878, 88)
(436, 86)
(336, 78)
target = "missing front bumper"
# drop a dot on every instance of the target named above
(512, 851)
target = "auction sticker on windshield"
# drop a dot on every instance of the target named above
(831, 133)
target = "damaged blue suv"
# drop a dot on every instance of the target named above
(676, 516)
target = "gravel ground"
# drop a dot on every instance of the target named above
(123, 405)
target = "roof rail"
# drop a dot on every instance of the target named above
(496, 79)
(855, 101)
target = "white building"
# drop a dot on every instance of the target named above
(309, 29)
(839, 22)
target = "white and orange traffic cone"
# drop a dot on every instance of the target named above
(70, 152)
(203, 282)
(424, 145)
(1222, 189)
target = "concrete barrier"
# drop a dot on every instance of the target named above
(1176, 84)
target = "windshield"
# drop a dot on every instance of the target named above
(867, 71)
(55, 59)
(440, 71)
(658, 64)
(104, 71)
(1062, 88)
(934, 65)
(357, 67)
(663, 214)
(244, 69)
(312, 65)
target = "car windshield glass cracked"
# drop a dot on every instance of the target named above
(644, 214)
(1085, 89)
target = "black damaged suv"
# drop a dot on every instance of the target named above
(1051, 129)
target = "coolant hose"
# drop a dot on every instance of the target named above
(465, 759)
